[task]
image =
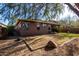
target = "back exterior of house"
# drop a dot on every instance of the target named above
(32, 27)
(3, 31)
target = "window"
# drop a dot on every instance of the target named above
(49, 27)
(25, 26)
(44, 25)
(38, 26)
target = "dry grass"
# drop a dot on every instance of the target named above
(11, 47)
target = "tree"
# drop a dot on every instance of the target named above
(73, 8)
(12, 11)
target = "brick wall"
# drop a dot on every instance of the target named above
(32, 28)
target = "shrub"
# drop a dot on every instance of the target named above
(55, 29)
(10, 30)
(3, 32)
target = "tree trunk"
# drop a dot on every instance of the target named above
(77, 4)
(73, 9)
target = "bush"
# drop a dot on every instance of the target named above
(10, 30)
(55, 29)
(3, 32)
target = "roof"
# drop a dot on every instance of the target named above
(36, 21)
(3, 25)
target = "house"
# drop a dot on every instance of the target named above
(34, 27)
(3, 31)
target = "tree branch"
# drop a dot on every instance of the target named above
(73, 9)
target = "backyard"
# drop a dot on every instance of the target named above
(39, 29)
(36, 43)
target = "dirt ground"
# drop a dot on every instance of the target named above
(11, 47)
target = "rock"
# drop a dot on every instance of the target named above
(50, 45)
(18, 39)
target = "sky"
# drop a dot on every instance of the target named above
(66, 13)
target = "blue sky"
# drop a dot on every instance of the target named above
(66, 13)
